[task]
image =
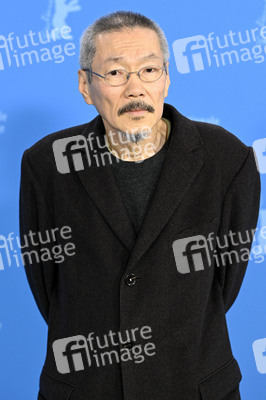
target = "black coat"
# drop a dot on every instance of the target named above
(117, 282)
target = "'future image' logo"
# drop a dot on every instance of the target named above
(71, 354)
(259, 349)
(191, 54)
(71, 153)
(197, 53)
(260, 154)
(191, 254)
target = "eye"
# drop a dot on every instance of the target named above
(115, 72)
(150, 69)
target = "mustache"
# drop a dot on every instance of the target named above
(133, 105)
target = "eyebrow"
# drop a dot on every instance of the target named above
(115, 59)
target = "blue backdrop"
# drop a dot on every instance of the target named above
(217, 71)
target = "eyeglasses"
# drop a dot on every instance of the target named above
(117, 77)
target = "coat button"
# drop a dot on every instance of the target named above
(131, 279)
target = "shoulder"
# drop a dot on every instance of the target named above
(222, 147)
(218, 141)
(42, 152)
(43, 144)
(225, 153)
(216, 134)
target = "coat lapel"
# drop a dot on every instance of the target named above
(101, 186)
(184, 159)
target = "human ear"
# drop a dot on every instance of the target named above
(167, 83)
(84, 86)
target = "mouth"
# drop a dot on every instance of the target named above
(137, 111)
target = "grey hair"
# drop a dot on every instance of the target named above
(116, 21)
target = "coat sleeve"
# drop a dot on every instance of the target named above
(239, 216)
(34, 217)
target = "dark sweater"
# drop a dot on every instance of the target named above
(137, 181)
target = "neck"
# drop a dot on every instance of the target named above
(121, 147)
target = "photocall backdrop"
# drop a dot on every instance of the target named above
(217, 71)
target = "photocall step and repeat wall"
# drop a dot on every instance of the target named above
(218, 75)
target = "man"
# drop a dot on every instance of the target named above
(145, 193)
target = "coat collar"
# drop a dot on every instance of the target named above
(183, 160)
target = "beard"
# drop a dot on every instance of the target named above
(136, 137)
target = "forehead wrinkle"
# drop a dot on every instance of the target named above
(117, 47)
(121, 58)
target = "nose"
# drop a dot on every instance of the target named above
(134, 86)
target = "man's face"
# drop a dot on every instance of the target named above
(135, 48)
